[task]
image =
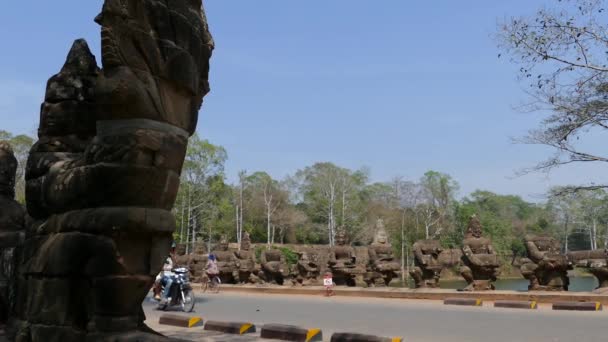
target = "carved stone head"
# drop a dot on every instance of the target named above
(474, 228)
(245, 242)
(223, 244)
(341, 237)
(8, 168)
(544, 243)
(164, 61)
(381, 236)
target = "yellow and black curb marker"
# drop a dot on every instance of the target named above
(578, 306)
(516, 304)
(180, 321)
(350, 337)
(237, 328)
(463, 301)
(291, 333)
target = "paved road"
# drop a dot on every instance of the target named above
(414, 320)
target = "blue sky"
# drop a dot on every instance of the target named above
(398, 86)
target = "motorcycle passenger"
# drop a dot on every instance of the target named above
(165, 277)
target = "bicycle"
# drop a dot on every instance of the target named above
(212, 284)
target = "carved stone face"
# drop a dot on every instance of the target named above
(474, 228)
(54, 122)
(381, 237)
(246, 242)
(223, 244)
(8, 168)
(341, 237)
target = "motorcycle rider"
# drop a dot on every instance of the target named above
(165, 277)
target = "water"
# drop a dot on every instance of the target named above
(577, 284)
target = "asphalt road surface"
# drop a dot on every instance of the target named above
(411, 319)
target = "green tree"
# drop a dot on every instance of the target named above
(333, 195)
(202, 196)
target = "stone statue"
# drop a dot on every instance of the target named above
(480, 262)
(596, 262)
(427, 268)
(307, 271)
(382, 264)
(246, 260)
(545, 267)
(342, 262)
(227, 262)
(12, 224)
(103, 177)
(274, 267)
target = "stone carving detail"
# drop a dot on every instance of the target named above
(430, 259)
(545, 267)
(342, 262)
(481, 265)
(104, 174)
(226, 262)
(12, 224)
(274, 267)
(248, 270)
(382, 267)
(596, 262)
(307, 270)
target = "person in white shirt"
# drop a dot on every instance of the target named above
(165, 277)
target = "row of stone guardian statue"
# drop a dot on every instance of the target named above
(545, 267)
(240, 267)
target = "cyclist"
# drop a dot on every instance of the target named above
(211, 269)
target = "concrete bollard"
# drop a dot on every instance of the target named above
(350, 337)
(463, 301)
(578, 306)
(290, 333)
(516, 304)
(237, 328)
(180, 321)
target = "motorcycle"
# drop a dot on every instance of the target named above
(181, 293)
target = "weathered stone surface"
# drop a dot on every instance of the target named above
(248, 269)
(103, 176)
(382, 266)
(12, 224)
(430, 259)
(343, 262)
(307, 270)
(545, 267)
(481, 265)
(596, 262)
(274, 267)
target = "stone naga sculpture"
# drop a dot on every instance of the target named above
(343, 262)
(274, 267)
(382, 264)
(103, 177)
(481, 265)
(227, 262)
(307, 270)
(246, 260)
(545, 267)
(596, 262)
(12, 224)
